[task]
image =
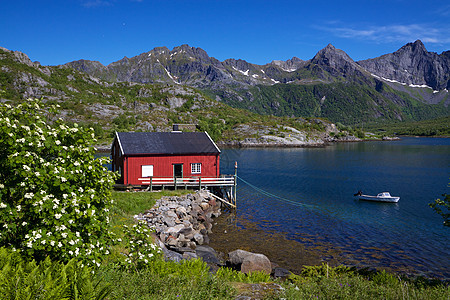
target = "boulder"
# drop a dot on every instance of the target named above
(256, 262)
(170, 221)
(175, 229)
(189, 255)
(208, 255)
(249, 262)
(173, 256)
(236, 257)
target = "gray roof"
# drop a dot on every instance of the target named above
(134, 143)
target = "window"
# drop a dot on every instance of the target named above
(196, 168)
(147, 171)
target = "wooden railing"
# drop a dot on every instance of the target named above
(224, 180)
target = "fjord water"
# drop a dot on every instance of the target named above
(309, 198)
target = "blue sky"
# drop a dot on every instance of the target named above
(58, 31)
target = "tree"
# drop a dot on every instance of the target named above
(54, 194)
(442, 207)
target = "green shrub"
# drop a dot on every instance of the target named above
(141, 249)
(54, 194)
(384, 278)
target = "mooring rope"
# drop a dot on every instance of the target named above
(275, 196)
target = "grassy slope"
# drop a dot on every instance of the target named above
(362, 103)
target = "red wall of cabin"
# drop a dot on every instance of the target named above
(163, 166)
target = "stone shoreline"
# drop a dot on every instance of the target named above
(182, 225)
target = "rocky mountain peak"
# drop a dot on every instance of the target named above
(331, 55)
(335, 61)
(416, 47)
(412, 64)
(21, 57)
(289, 65)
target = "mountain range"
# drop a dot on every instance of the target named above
(410, 83)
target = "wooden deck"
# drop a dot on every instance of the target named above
(223, 181)
(225, 185)
(195, 182)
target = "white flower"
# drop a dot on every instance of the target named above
(2, 186)
(64, 234)
(43, 242)
(18, 207)
(59, 244)
(52, 243)
(24, 223)
(72, 242)
(58, 216)
(3, 205)
(26, 168)
(57, 142)
(30, 244)
(29, 195)
(63, 179)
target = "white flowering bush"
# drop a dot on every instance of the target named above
(54, 194)
(141, 250)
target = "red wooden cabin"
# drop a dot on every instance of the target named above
(141, 156)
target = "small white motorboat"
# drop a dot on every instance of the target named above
(381, 197)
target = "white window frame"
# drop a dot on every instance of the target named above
(147, 170)
(196, 168)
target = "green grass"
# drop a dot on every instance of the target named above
(351, 284)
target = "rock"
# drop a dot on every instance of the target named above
(186, 231)
(173, 256)
(279, 272)
(189, 255)
(204, 206)
(256, 262)
(250, 262)
(208, 255)
(171, 241)
(175, 229)
(199, 238)
(236, 257)
(169, 221)
(181, 211)
(171, 214)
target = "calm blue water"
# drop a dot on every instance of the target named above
(407, 236)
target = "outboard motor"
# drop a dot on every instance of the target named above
(359, 193)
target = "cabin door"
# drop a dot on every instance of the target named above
(178, 170)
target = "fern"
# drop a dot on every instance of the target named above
(21, 279)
